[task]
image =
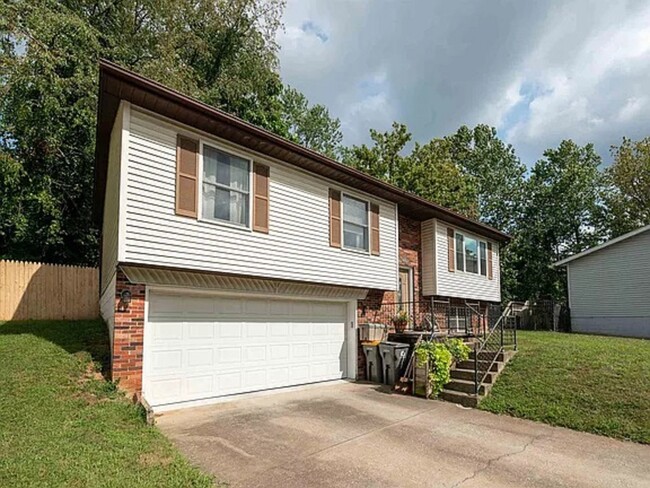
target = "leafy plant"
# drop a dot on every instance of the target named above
(458, 349)
(439, 359)
(401, 318)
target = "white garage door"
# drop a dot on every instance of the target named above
(199, 347)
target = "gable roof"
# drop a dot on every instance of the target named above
(116, 83)
(602, 246)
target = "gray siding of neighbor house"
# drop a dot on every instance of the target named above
(609, 290)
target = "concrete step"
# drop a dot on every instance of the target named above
(464, 399)
(469, 364)
(487, 356)
(464, 386)
(468, 375)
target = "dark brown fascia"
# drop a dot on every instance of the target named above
(117, 84)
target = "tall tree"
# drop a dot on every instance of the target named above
(560, 217)
(428, 171)
(384, 159)
(497, 173)
(431, 172)
(223, 52)
(313, 127)
(628, 194)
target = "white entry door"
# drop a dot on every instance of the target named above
(203, 346)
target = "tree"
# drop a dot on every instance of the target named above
(310, 126)
(222, 52)
(559, 218)
(627, 196)
(384, 159)
(497, 172)
(430, 172)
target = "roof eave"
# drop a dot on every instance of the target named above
(117, 84)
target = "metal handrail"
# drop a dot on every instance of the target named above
(478, 350)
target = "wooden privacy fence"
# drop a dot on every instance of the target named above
(37, 291)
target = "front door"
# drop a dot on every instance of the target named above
(405, 292)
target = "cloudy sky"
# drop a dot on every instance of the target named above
(539, 71)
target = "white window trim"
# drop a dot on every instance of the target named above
(354, 249)
(225, 223)
(478, 248)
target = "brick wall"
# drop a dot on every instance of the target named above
(128, 336)
(410, 245)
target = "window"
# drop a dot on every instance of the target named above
(355, 223)
(471, 255)
(226, 183)
(460, 253)
(483, 257)
(457, 320)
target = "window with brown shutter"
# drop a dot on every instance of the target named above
(335, 217)
(490, 261)
(374, 229)
(261, 198)
(451, 249)
(187, 176)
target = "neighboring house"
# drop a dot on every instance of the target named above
(609, 286)
(233, 260)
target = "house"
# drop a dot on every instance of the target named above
(233, 260)
(609, 286)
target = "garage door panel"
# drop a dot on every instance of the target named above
(202, 347)
(200, 330)
(200, 357)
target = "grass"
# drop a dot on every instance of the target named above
(589, 383)
(62, 424)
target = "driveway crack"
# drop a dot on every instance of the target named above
(496, 459)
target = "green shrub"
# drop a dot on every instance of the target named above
(458, 349)
(439, 357)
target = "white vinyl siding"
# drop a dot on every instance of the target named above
(111, 204)
(296, 247)
(107, 307)
(610, 289)
(457, 284)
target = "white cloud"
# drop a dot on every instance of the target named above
(540, 72)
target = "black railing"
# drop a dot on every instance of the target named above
(428, 316)
(501, 334)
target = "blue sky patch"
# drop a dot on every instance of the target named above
(309, 27)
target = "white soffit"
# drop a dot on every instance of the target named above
(205, 281)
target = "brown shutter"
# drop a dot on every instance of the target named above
(187, 176)
(451, 249)
(489, 261)
(374, 229)
(335, 218)
(260, 198)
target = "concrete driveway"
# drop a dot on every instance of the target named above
(354, 435)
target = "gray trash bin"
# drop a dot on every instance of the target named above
(373, 363)
(393, 358)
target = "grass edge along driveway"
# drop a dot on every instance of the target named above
(594, 384)
(62, 424)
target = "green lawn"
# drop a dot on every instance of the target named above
(589, 383)
(62, 424)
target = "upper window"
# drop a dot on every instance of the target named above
(471, 254)
(226, 187)
(355, 223)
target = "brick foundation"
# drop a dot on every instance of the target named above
(128, 336)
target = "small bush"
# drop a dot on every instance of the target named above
(440, 356)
